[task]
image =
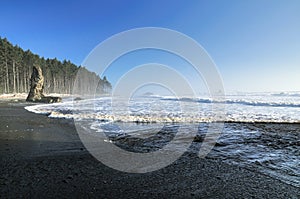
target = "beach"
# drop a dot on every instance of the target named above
(44, 157)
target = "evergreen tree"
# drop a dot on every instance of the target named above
(16, 68)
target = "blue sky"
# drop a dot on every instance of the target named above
(255, 44)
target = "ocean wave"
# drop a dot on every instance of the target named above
(286, 94)
(166, 112)
(235, 101)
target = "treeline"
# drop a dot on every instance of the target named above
(16, 68)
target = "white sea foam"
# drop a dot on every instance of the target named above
(239, 108)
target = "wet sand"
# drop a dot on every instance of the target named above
(43, 157)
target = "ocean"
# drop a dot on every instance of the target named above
(261, 130)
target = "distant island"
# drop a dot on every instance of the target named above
(16, 67)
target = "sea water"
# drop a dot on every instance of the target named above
(257, 131)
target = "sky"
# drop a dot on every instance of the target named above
(255, 44)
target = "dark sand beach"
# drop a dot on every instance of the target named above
(44, 157)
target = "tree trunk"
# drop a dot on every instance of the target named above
(7, 76)
(54, 85)
(21, 82)
(5, 89)
(25, 82)
(17, 78)
(14, 77)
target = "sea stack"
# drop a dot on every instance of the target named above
(37, 87)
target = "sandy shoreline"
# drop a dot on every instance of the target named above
(43, 157)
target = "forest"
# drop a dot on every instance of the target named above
(16, 68)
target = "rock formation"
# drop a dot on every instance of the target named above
(37, 87)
